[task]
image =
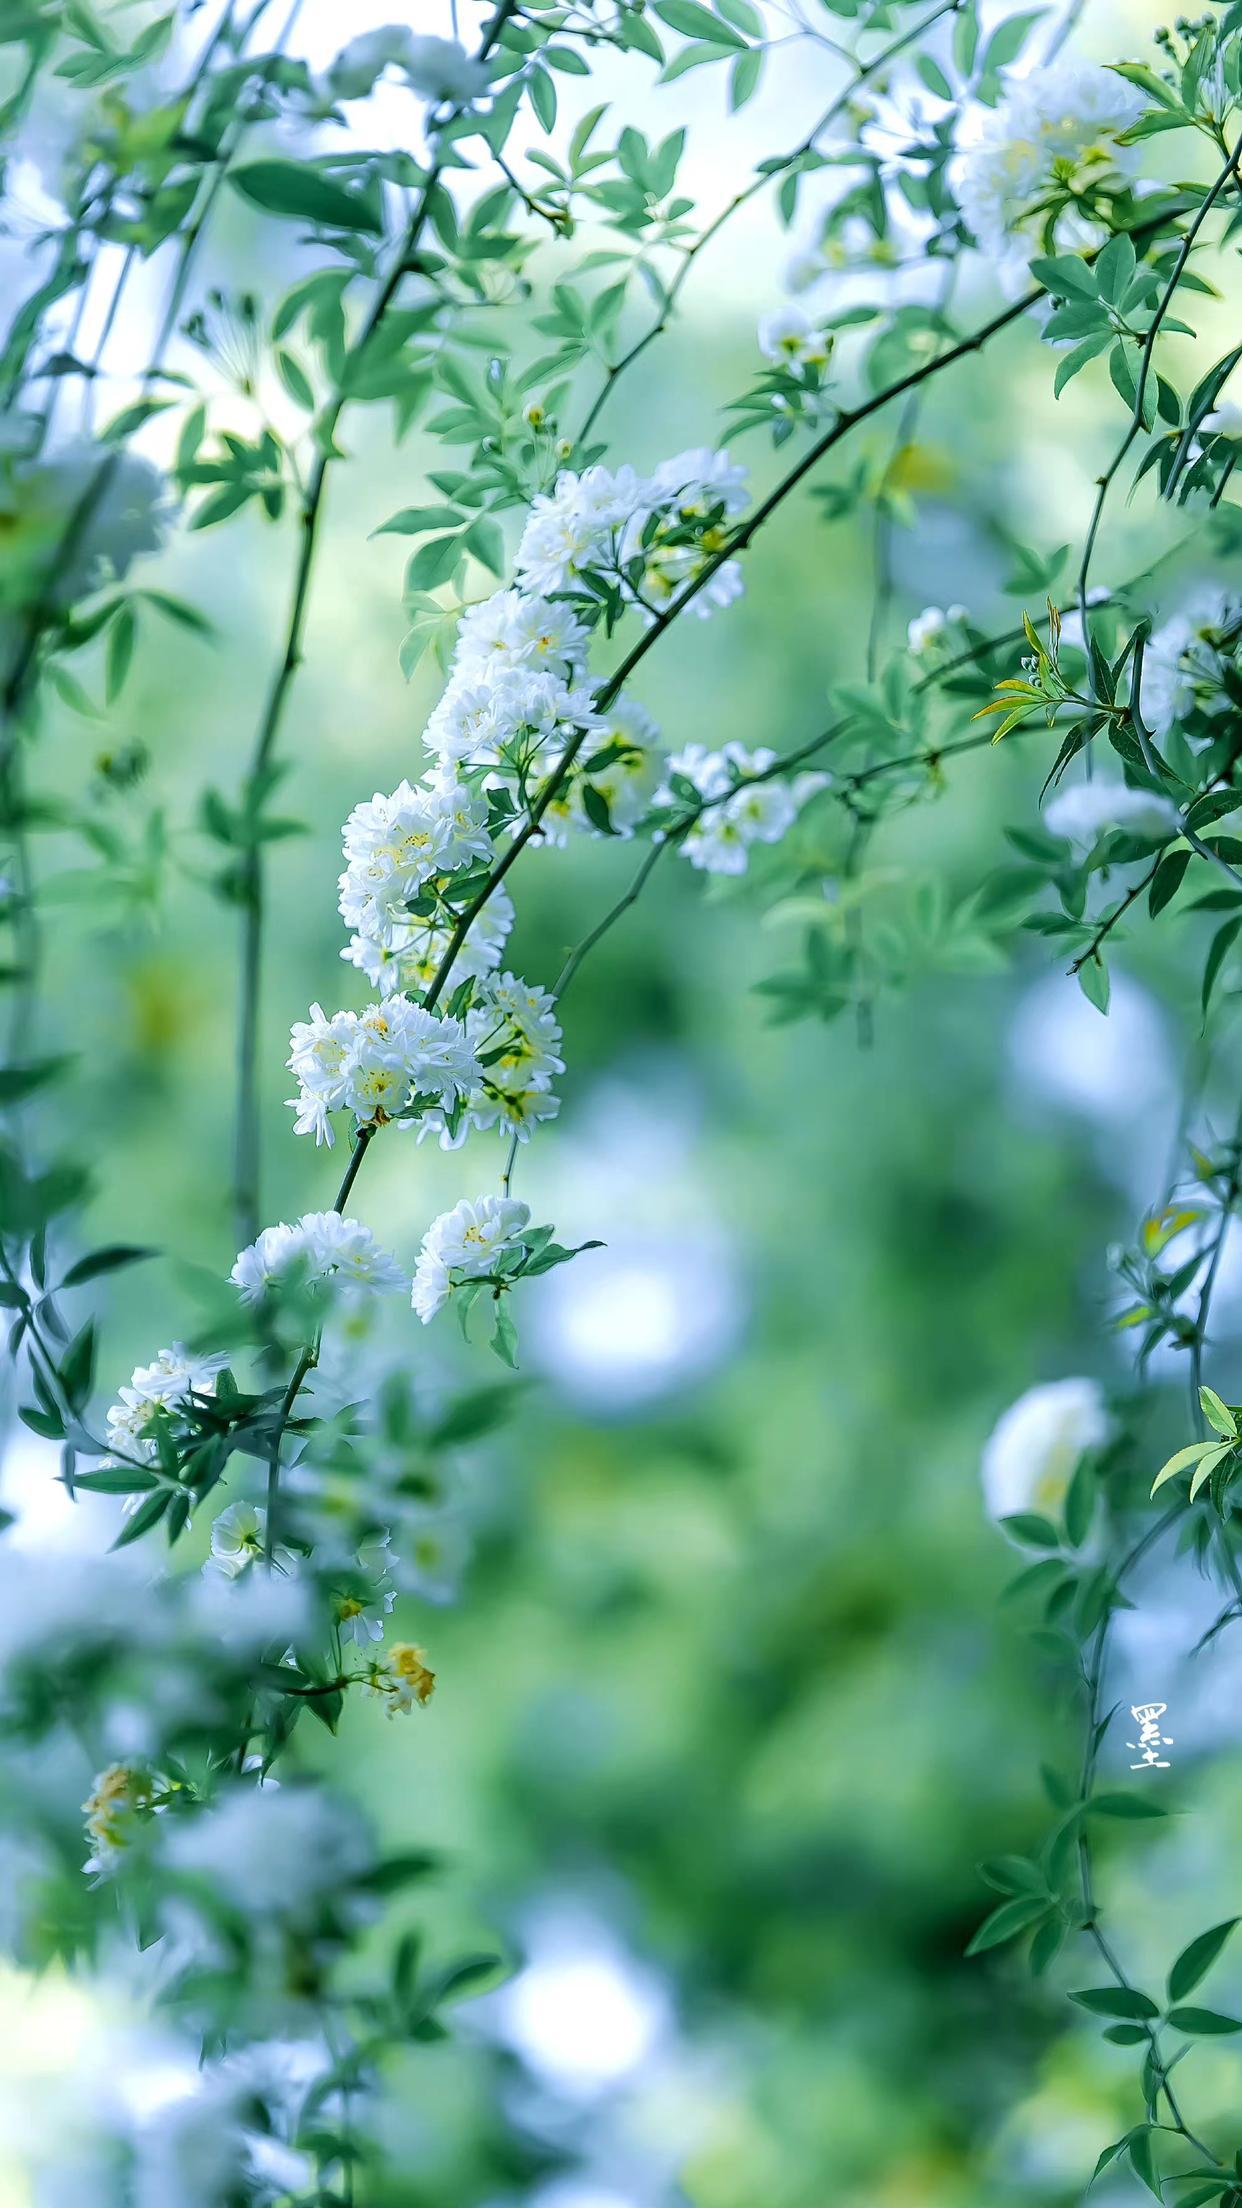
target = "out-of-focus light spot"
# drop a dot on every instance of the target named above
(575, 2192)
(45, 1515)
(629, 1323)
(583, 2015)
(1114, 1069)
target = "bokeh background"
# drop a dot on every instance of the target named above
(726, 1713)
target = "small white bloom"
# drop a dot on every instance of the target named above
(466, 1242)
(362, 1606)
(929, 627)
(1225, 419)
(237, 1538)
(627, 781)
(167, 1386)
(789, 337)
(511, 630)
(379, 1064)
(1033, 1450)
(280, 1853)
(1187, 656)
(437, 68)
(1084, 811)
(410, 958)
(574, 527)
(1060, 124)
(694, 483)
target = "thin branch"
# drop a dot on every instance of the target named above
(246, 1138)
(748, 192)
(1140, 389)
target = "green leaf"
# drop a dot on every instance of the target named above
(1168, 880)
(504, 1336)
(120, 652)
(694, 21)
(1123, 2001)
(433, 563)
(1006, 1922)
(19, 1081)
(1222, 943)
(1141, 2160)
(146, 1516)
(105, 1260)
(1036, 1532)
(1195, 1961)
(1203, 2023)
(543, 97)
(1124, 1805)
(413, 520)
(1065, 273)
(303, 194)
(1093, 982)
(1218, 1414)
(295, 379)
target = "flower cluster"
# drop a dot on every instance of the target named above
(738, 801)
(121, 1796)
(379, 1064)
(1026, 184)
(649, 536)
(466, 1243)
(513, 1030)
(401, 1677)
(1190, 660)
(322, 1248)
(158, 1394)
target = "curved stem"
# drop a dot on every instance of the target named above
(1140, 389)
(748, 192)
(246, 1145)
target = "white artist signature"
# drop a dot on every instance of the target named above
(1151, 1740)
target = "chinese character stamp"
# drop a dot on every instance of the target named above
(1151, 1740)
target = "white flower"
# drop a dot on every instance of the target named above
(718, 842)
(693, 484)
(1033, 1450)
(928, 627)
(377, 1064)
(789, 337)
(322, 1246)
(164, 1386)
(362, 1607)
(505, 718)
(1059, 125)
(466, 1242)
(574, 527)
(394, 845)
(239, 1613)
(437, 68)
(280, 1853)
(410, 957)
(265, 1260)
(45, 549)
(1225, 419)
(627, 781)
(1087, 810)
(1186, 658)
(238, 1536)
(511, 630)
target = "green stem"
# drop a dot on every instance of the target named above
(246, 1147)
